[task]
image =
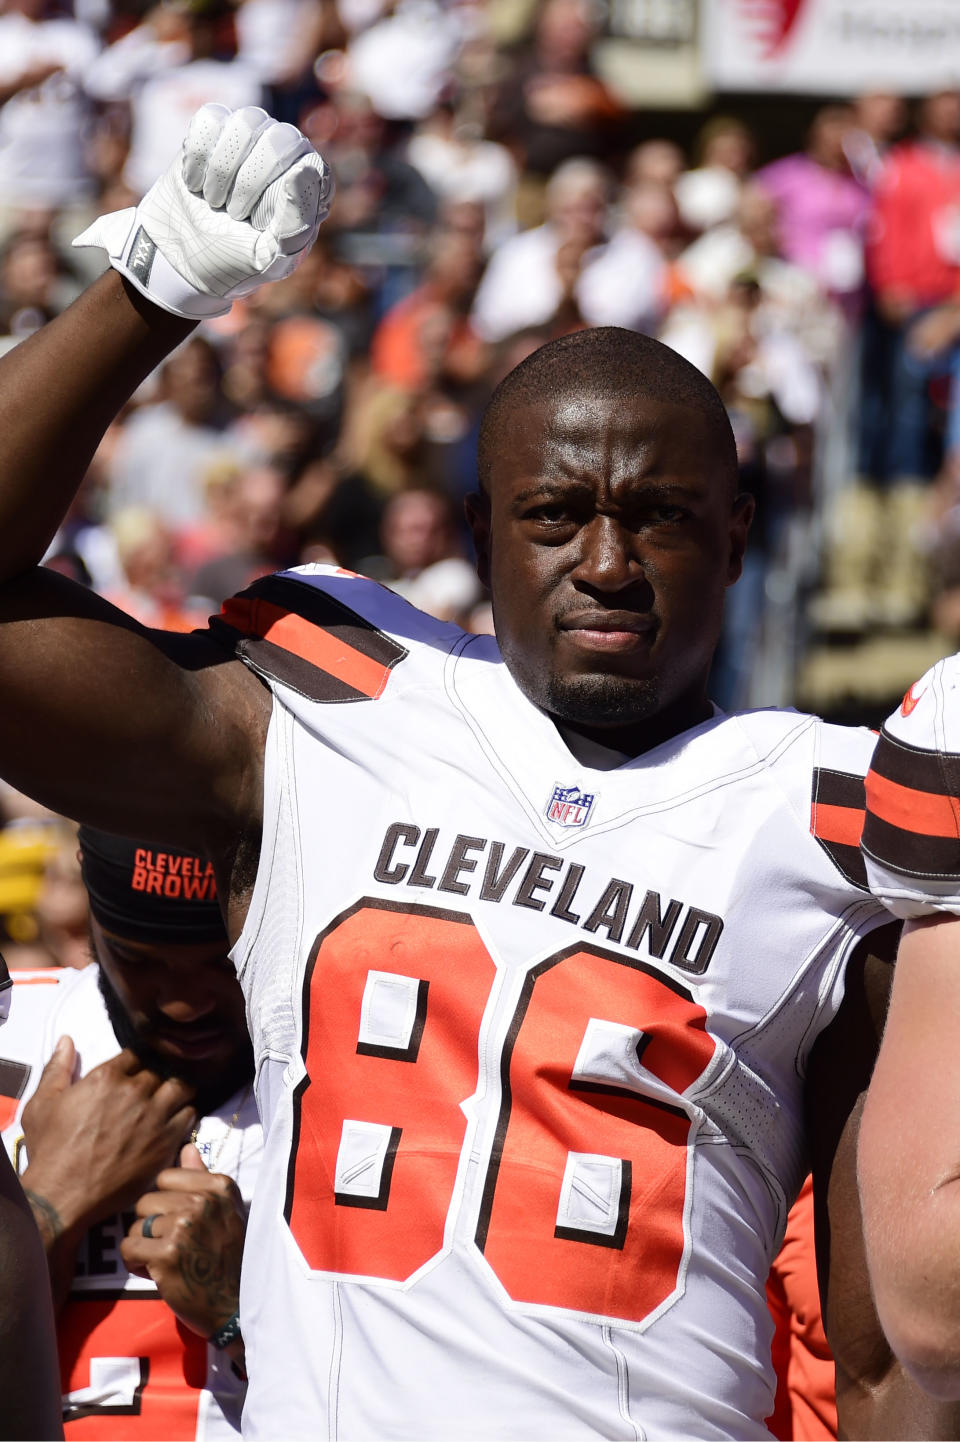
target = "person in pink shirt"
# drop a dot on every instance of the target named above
(823, 209)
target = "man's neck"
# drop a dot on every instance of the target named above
(605, 747)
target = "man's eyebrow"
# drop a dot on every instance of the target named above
(550, 485)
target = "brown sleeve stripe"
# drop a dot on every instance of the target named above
(925, 812)
(304, 638)
(910, 854)
(913, 810)
(321, 648)
(836, 820)
(916, 767)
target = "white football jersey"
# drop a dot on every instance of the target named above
(129, 1369)
(531, 1039)
(911, 835)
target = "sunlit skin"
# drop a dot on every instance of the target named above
(181, 1003)
(608, 539)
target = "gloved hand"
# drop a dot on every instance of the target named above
(241, 204)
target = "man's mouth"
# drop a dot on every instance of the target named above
(188, 1041)
(609, 630)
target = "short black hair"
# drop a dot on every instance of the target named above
(607, 359)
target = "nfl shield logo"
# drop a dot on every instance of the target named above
(569, 806)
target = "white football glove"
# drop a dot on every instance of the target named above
(240, 205)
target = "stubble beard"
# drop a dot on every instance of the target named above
(602, 702)
(215, 1082)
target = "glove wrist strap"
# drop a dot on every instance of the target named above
(148, 268)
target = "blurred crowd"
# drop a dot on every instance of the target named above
(494, 191)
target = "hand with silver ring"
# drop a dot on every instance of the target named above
(147, 1224)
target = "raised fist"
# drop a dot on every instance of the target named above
(241, 204)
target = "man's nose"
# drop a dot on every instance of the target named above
(610, 559)
(182, 1010)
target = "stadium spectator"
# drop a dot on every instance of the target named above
(150, 586)
(551, 106)
(398, 354)
(531, 275)
(879, 119)
(459, 164)
(628, 282)
(914, 259)
(823, 208)
(253, 514)
(657, 162)
(162, 450)
(709, 194)
(161, 74)
(422, 559)
(106, 1074)
(383, 207)
(404, 61)
(43, 111)
(34, 284)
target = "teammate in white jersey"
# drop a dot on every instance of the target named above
(556, 977)
(104, 1075)
(910, 1142)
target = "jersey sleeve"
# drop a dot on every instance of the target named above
(297, 629)
(911, 833)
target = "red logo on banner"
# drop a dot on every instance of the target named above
(770, 22)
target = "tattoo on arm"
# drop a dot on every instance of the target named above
(46, 1216)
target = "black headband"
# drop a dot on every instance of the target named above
(148, 894)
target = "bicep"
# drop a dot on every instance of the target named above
(905, 1148)
(128, 729)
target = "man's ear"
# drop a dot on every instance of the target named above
(477, 508)
(740, 517)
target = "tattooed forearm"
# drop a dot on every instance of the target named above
(48, 1219)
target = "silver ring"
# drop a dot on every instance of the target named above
(147, 1224)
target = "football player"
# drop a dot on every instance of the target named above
(556, 977)
(121, 1070)
(910, 1140)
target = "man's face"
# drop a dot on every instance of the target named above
(608, 542)
(179, 1007)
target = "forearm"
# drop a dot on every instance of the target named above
(60, 1242)
(59, 390)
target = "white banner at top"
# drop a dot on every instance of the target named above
(831, 47)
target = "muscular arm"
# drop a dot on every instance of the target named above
(910, 1159)
(128, 729)
(59, 390)
(876, 1397)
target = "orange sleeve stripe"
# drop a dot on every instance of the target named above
(923, 812)
(311, 642)
(842, 824)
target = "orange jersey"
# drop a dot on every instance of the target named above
(806, 1402)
